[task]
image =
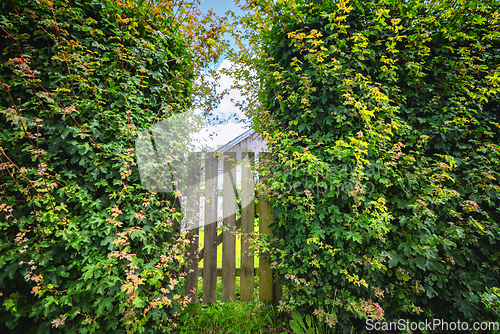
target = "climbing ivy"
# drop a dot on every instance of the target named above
(384, 124)
(84, 247)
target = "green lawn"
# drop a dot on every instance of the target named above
(219, 250)
(252, 317)
(233, 318)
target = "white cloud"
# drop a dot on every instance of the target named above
(226, 112)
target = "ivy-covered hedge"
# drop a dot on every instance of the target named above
(84, 248)
(384, 120)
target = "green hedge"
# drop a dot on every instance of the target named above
(84, 248)
(383, 118)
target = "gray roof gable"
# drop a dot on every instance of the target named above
(235, 141)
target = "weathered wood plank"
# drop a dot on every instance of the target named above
(219, 239)
(277, 293)
(247, 226)
(228, 238)
(265, 219)
(210, 248)
(255, 272)
(192, 225)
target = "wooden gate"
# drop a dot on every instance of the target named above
(267, 290)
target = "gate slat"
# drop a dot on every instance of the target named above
(265, 219)
(219, 272)
(192, 225)
(247, 226)
(228, 238)
(210, 228)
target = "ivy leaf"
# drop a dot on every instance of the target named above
(421, 262)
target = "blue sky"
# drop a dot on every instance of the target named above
(231, 129)
(220, 8)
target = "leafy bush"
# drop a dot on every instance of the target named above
(383, 119)
(84, 248)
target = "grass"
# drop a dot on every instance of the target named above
(239, 317)
(219, 249)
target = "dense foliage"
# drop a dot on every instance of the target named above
(84, 248)
(383, 117)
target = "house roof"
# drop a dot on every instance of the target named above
(235, 141)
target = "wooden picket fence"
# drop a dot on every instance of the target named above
(268, 291)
